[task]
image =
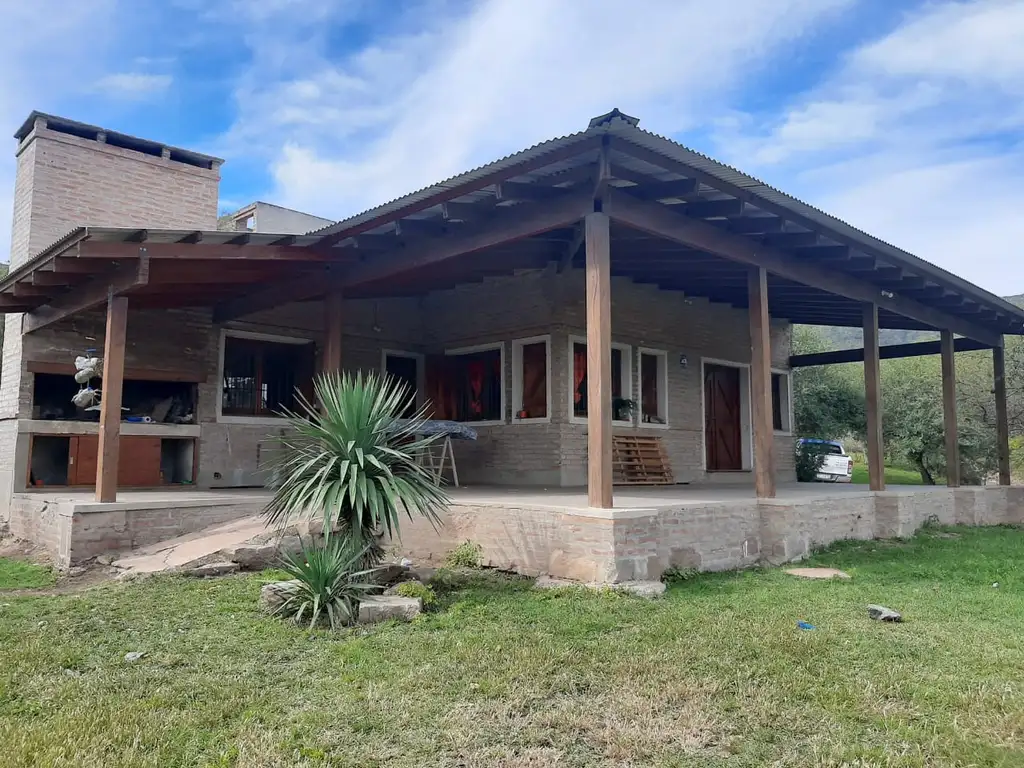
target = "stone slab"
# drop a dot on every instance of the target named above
(818, 573)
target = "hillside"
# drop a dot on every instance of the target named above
(852, 338)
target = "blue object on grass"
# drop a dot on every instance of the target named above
(804, 625)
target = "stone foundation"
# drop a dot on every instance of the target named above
(73, 531)
(637, 544)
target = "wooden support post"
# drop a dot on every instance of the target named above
(332, 332)
(1002, 419)
(110, 398)
(761, 384)
(872, 399)
(599, 361)
(949, 410)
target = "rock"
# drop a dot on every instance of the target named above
(288, 545)
(550, 582)
(881, 613)
(645, 589)
(422, 573)
(134, 656)
(273, 595)
(105, 559)
(817, 573)
(391, 573)
(76, 571)
(254, 557)
(213, 569)
(378, 608)
(71, 672)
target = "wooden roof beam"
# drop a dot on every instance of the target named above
(91, 294)
(888, 352)
(99, 249)
(660, 220)
(713, 209)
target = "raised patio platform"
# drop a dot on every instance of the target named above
(534, 530)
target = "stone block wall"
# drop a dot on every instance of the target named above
(640, 544)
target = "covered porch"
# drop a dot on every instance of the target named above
(594, 219)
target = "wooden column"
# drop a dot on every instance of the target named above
(599, 361)
(872, 399)
(110, 398)
(761, 384)
(949, 411)
(332, 332)
(1002, 419)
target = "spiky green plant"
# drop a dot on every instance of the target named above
(353, 461)
(327, 584)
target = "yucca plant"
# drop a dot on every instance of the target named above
(326, 585)
(352, 461)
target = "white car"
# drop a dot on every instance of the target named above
(837, 467)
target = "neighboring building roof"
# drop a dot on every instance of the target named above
(282, 219)
(116, 139)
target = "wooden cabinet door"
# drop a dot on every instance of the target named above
(82, 460)
(139, 462)
(138, 465)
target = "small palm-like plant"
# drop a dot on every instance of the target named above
(353, 461)
(326, 585)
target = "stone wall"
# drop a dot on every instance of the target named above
(640, 544)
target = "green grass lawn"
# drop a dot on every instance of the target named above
(714, 674)
(893, 475)
(18, 574)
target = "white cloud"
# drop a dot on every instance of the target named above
(453, 87)
(915, 139)
(132, 85)
(47, 49)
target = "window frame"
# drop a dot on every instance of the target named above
(500, 346)
(786, 394)
(517, 378)
(662, 356)
(251, 336)
(627, 380)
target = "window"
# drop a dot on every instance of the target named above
(260, 377)
(531, 384)
(467, 385)
(780, 403)
(653, 387)
(622, 403)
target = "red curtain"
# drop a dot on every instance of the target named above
(475, 370)
(579, 371)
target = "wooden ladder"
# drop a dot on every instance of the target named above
(640, 460)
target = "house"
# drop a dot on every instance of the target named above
(602, 287)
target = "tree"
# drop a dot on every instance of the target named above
(828, 400)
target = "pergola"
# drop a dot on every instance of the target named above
(613, 199)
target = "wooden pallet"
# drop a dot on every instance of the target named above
(640, 460)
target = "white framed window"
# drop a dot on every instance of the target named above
(408, 368)
(782, 402)
(653, 400)
(471, 386)
(531, 380)
(623, 406)
(259, 375)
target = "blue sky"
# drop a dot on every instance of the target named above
(904, 118)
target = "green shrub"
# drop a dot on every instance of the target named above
(809, 458)
(466, 555)
(328, 584)
(417, 589)
(675, 575)
(350, 458)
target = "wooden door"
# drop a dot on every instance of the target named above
(723, 433)
(138, 465)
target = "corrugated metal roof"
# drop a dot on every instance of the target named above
(625, 128)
